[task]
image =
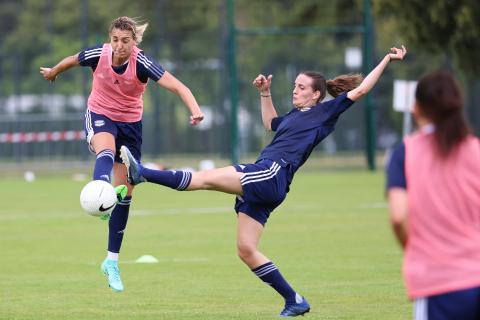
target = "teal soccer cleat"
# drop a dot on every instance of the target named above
(110, 269)
(296, 309)
(134, 175)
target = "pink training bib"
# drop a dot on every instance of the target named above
(117, 96)
(443, 248)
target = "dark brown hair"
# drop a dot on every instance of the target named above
(336, 86)
(440, 100)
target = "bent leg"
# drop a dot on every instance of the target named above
(249, 232)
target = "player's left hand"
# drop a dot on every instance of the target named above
(397, 54)
(196, 118)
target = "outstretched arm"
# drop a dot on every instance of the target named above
(262, 84)
(372, 78)
(51, 74)
(172, 84)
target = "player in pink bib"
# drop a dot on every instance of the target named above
(114, 115)
(433, 181)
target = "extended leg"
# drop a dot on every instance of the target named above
(223, 179)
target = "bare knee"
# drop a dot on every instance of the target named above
(200, 181)
(246, 252)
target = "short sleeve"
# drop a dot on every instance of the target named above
(276, 122)
(335, 107)
(396, 168)
(90, 56)
(148, 68)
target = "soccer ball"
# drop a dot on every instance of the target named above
(98, 197)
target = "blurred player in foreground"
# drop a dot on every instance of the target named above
(114, 115)
(262, 186)
(433, 182)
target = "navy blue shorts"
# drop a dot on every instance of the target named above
(265, 186)
(127, 134)
(461, 304)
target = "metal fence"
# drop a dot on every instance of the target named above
(41, 122)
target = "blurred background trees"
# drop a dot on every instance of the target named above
(189, 39)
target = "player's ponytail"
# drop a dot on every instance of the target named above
(133, 25)
(139, 30)
(439, 99)
(335, 87)
(343, 83)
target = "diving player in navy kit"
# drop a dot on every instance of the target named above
(262, 186)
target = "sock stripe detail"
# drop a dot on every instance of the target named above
(265, 269)
(186, 178)
(106, 153)
(125, 201)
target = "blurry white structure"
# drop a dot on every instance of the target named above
(206, 164)
(403, 100)
(29, 176)
(353, 58)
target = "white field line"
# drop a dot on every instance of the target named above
(374, 205)
(177, 260)
(78, 214)
(160, 260)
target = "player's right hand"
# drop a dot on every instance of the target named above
(48, 74)
(262, 83)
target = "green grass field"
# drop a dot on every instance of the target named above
(330, 238)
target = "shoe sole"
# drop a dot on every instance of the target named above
(306, 311)
(126, 162)
(300, 314)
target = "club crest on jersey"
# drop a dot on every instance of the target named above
(99, 123)
(305, 109)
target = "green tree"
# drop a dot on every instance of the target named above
(450, 27)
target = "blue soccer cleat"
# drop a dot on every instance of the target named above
(296, 309)
(110, 269)
(133, 167)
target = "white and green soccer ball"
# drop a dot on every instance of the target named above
(98, 198)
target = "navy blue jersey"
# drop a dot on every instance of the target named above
(146, 67)
(299, 131)
(396, 168)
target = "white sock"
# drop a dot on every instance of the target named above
(112, 256)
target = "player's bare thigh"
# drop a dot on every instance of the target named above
(103, 140)
(225, 179)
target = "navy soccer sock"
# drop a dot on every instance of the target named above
(103, 165)
(179, 180)
(117, 224)
(269, 274)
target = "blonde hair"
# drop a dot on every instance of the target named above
(132, 25)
